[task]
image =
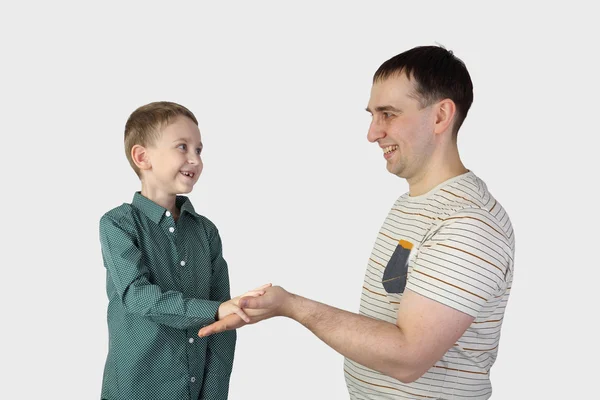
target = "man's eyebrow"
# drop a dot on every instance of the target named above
(383, 109)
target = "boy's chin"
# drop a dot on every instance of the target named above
(184, 189)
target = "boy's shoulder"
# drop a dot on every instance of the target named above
(125, 216)
(116, 214)
(119, 219)
(185, 206)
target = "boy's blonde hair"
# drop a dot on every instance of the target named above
(145, 124)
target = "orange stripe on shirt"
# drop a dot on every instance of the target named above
(471, 254)
(460, 197)
(450, 284)
(387, 387)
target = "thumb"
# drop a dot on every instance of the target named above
(254, 302)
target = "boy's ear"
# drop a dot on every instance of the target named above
(139, 155)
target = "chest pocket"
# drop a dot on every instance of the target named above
(396, 270)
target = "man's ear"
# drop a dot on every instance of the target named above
(140, 157)
(444, 117)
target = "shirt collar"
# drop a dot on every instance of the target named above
(155, 212)
(185, 205)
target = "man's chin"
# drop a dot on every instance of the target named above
(394, 170)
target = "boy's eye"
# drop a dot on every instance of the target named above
(182, 146)
(199, 151)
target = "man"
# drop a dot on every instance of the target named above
(440, 272)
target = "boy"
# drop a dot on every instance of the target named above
(166, 276)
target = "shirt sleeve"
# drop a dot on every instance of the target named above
(463, 263)
(123, 260)
(221, 346)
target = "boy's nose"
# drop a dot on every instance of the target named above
(194, 159)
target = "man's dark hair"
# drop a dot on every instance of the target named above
(438, 74)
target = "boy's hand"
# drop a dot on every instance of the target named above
(259, 291)
(232, 306)
(275, 301)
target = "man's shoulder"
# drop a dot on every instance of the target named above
(463, 199)
(483, 203)
(465, 191)
(468, 193)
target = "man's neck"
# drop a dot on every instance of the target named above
(437, 171)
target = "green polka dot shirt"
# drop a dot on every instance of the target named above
(164, 280)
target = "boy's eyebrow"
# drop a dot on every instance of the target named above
(383, 109)
(185, 140)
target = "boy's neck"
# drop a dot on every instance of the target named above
(161, 198)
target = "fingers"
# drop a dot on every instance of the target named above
(259, 291)
(253, 293)
(242, 314)
(216, 327)
(266, 285)
(253, 302)
(230, 322)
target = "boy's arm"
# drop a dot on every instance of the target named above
(123, 259)
(221, 347)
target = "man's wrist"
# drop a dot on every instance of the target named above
(294, 307)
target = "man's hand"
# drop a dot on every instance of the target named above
(275, 301)
(232, 306)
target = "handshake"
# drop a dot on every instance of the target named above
(253, 306)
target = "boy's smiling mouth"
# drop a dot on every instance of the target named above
(187, 173)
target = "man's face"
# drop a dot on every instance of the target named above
(175, 158)
(403, 129)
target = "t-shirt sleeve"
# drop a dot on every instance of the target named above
(463, 262)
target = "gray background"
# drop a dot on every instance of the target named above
(290, 180)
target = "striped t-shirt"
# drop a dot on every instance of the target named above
(455, 245)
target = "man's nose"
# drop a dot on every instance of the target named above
(376, 131)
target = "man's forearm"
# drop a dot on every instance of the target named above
(376, 344)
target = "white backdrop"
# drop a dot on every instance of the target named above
(290, 180)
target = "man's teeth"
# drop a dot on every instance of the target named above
(389, 149)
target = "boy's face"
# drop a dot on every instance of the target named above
(175, 158)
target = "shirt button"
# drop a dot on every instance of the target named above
(171, 229)
(182, 263)
(191, 340)
(168, 213)
(193, 379)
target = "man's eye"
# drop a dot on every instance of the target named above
(386, 115)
